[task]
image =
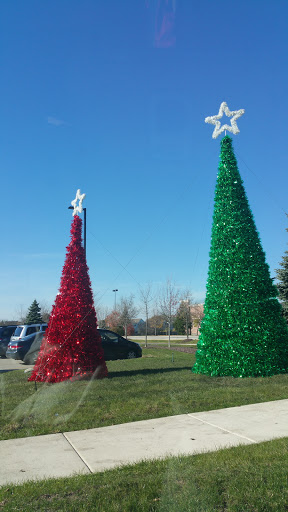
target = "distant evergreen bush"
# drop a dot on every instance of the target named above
(34, 314)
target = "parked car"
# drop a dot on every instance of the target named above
(117, 347)
(114, 346)
(24, 331)
(19, 348)
(6, 332)
(31, 355)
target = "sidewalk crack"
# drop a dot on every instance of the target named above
(222, 428)
(78, 454)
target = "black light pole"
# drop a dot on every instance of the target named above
(71, 208)
(84, 209)
(115, 298)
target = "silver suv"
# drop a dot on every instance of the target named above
(23, 331)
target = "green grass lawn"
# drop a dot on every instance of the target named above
(242, 479)
(149, 387)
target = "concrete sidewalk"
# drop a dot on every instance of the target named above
(89, 451)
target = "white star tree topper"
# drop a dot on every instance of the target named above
(78, 209)
(234, 114)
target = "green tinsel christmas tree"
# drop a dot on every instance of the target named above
(243, 333)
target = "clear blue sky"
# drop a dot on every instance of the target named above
(110, 96)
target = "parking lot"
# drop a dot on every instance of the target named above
(6, 365)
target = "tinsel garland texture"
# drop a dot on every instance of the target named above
(72, 346)
(243, 333)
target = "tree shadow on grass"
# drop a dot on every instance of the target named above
(148, 371)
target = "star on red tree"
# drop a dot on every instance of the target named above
(72, 347)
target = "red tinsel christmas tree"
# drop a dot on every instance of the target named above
(72, 347)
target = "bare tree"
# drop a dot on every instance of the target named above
(102, 313)
(112, 321)
(127, 311)
(168, 300)
(146, 296)
(45, 310)
(21, 313)
(156, 321)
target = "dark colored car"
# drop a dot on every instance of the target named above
(114, 346)
(18, 349)
(6, 332)
(117, 347)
